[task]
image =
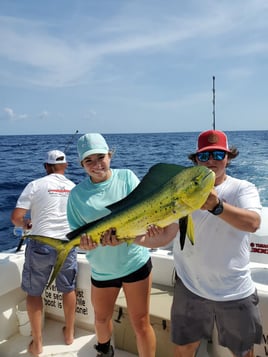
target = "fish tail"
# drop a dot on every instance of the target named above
(54, 243)
(62, 255)
(63, 248)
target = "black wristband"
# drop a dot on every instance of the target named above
(218, 209)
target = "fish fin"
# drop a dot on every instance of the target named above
(190, 229)
(156, 177)
(183, 224)
(186, 228)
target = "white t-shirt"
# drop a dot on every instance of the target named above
(216, 267)
(46, 198)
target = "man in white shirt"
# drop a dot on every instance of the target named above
(213, 281)
(46, 199)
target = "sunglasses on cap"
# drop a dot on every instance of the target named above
(216, 155)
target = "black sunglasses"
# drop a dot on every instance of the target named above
(216, 155)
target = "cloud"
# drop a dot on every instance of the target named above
(54, 55)
(11, 115)
(43, 116)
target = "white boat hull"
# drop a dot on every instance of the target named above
(13, 342)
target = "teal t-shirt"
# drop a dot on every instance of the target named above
(87, 202)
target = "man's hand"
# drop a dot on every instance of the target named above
(211, 201)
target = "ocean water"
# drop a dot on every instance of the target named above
(22, 157)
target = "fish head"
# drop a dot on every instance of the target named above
(194, 185)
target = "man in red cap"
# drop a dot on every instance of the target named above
(214, 284)
(213, 281)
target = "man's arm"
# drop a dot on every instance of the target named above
(18, 218)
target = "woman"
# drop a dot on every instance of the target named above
(113, 265)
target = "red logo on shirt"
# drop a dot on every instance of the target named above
(259, 248)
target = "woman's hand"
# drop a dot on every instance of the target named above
(109, 238)
(86, 243)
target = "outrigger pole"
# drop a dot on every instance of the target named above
(213, 101)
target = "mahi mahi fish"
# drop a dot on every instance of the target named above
(168, 192)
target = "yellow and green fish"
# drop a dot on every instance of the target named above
(167, 193)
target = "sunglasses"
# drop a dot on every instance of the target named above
(216, 155)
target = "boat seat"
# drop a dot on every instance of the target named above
(160, 301)
(160, 305)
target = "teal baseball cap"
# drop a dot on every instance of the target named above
(90, 144)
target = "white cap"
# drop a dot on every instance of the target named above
(55, 157)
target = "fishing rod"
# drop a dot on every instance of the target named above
(213, 102)
(19, 232)
(70, 141)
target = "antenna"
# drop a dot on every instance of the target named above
(213, 101)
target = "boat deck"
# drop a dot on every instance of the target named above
(123, 337)
(54, 344)
(83, 345)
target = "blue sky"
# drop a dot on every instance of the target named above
(124, 66)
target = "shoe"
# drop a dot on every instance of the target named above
(110, 353)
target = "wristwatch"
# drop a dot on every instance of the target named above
(218, 209)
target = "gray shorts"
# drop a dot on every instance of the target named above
(39, 262)
(192, 319)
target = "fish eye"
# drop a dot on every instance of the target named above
(196, 182)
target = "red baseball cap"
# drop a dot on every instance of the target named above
(212, 140)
